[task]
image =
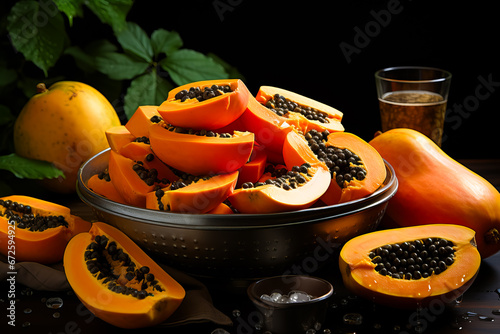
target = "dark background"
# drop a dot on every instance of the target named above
(296, 46)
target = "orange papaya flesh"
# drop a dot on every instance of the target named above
(221, 209)
(141, 151)
(270, 130)
(304, 113)
(131, 179)
(101, 184)
(363, 261)
(302, 187)
(357, 170)
(435, 188)
(208, 112)
(200, 154)
(118, 136)
(193, 194)
(254, 168)
(142, 118)
(117, 281)
(41, 229)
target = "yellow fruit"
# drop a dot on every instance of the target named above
(64, 125)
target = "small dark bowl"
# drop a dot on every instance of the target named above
(296, 317)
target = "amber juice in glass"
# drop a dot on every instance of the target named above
(413, 97)
(420, 110)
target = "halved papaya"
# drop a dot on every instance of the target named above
(117, 136)
(41, 229)
(101, 184)
(141, 152)
(142, 119)
(412, 266)
(356, 168)
(199, 154)
(300, 188)
(254, 168)
(131, 179)
(192, 194)
(208, 105)
(117, 281)
(304, 113)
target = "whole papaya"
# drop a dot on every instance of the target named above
(65, 125)
(436, 189)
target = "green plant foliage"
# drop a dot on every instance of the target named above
(129, 66)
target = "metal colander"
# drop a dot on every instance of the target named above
(240, 246)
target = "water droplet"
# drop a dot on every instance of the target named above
(327, 331)
(54, 302)
(485, 318)
(471, 314)
(27, 311)
(496, 312)
(353, 319)
(456, 326)
(56, 315)
(26, 324)
(236, 313)
(498, 291)
(311, 331)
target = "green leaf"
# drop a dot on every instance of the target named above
(148, 89)
(135, 41)
(112, 12)
(185, 66)
(232, 71)
(39, 35)
(165, 41)
(119, 66)
(71, 8)
(85, 58)
(29, 168)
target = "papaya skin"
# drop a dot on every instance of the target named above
(436, 189)
(120, 310)
(359, 275)
(65, 125)
(46, 247)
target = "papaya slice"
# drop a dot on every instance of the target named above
(270, 130)
(117, 136)
(254, 168)
(192, 194)
(208, 105)
(142, 118)
(221, 209)
(117, 281)
(41, 229)
(131, 179)
(101, 184)
(304, 113)
(198, 154)
(140, 151)
(300, 188)
(381, 265)
(356, 168)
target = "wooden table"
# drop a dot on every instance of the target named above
(474, 313)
